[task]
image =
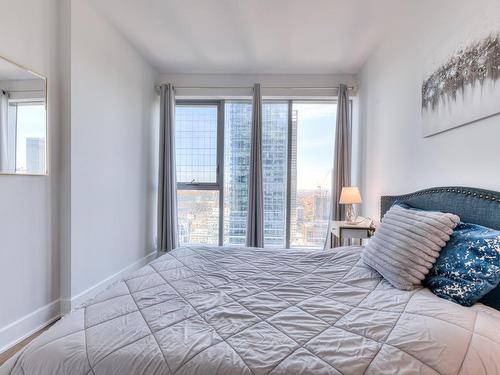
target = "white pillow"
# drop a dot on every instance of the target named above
(407, 244)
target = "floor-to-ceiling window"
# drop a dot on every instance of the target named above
(213, 152)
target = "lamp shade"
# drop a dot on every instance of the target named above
(350, 195)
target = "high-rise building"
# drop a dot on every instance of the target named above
(35, 155)
(238, 118)
(274, 170)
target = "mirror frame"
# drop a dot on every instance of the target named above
(47, 138)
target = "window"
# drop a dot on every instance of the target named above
(28, 121)
(198, 179)
(237, 134)
(196, 143)
(312, 143)
(213, 164)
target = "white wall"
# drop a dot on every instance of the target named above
(112, 135)
(397, 159)
(29, 213)
(92, 218)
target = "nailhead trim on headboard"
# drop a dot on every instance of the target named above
(468, 192)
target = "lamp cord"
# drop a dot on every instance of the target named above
(361, 221)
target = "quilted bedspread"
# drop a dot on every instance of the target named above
(219, 310)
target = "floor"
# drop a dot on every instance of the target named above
(10, 352)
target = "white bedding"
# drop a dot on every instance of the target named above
(216, 310)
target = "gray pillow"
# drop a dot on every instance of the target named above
(407, 244)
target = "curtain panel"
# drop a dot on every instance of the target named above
(341, 175)
(167, 234)
(255, 218)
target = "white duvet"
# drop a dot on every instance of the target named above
(216, 310)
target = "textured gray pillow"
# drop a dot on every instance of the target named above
(407, 244)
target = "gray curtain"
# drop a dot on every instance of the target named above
(341, 175)
(167, 181)
(255, 218)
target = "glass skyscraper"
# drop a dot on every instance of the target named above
(237, 126)
(274, 170)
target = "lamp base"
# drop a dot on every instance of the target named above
(350, 216)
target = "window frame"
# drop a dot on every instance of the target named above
(219, 184)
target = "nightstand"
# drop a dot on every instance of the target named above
(341, 231)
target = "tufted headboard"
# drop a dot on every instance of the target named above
(477, 206)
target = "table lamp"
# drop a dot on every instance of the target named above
(350, 196)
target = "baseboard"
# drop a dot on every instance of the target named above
(24, 327)
(70, 304)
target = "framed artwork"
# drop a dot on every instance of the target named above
(463, 88)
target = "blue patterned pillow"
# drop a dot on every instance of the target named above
(469, 265)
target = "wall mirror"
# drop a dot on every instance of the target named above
(23, 120)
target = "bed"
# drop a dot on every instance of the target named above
(223, 310)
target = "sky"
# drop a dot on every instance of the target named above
(315, 140)
(30, 123)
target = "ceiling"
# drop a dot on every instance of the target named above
(254, 36)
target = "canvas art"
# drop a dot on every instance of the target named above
(464, 88)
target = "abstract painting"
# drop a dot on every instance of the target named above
(463, 89)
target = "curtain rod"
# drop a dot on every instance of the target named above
(263, 87)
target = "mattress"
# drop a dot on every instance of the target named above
(220, 310)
